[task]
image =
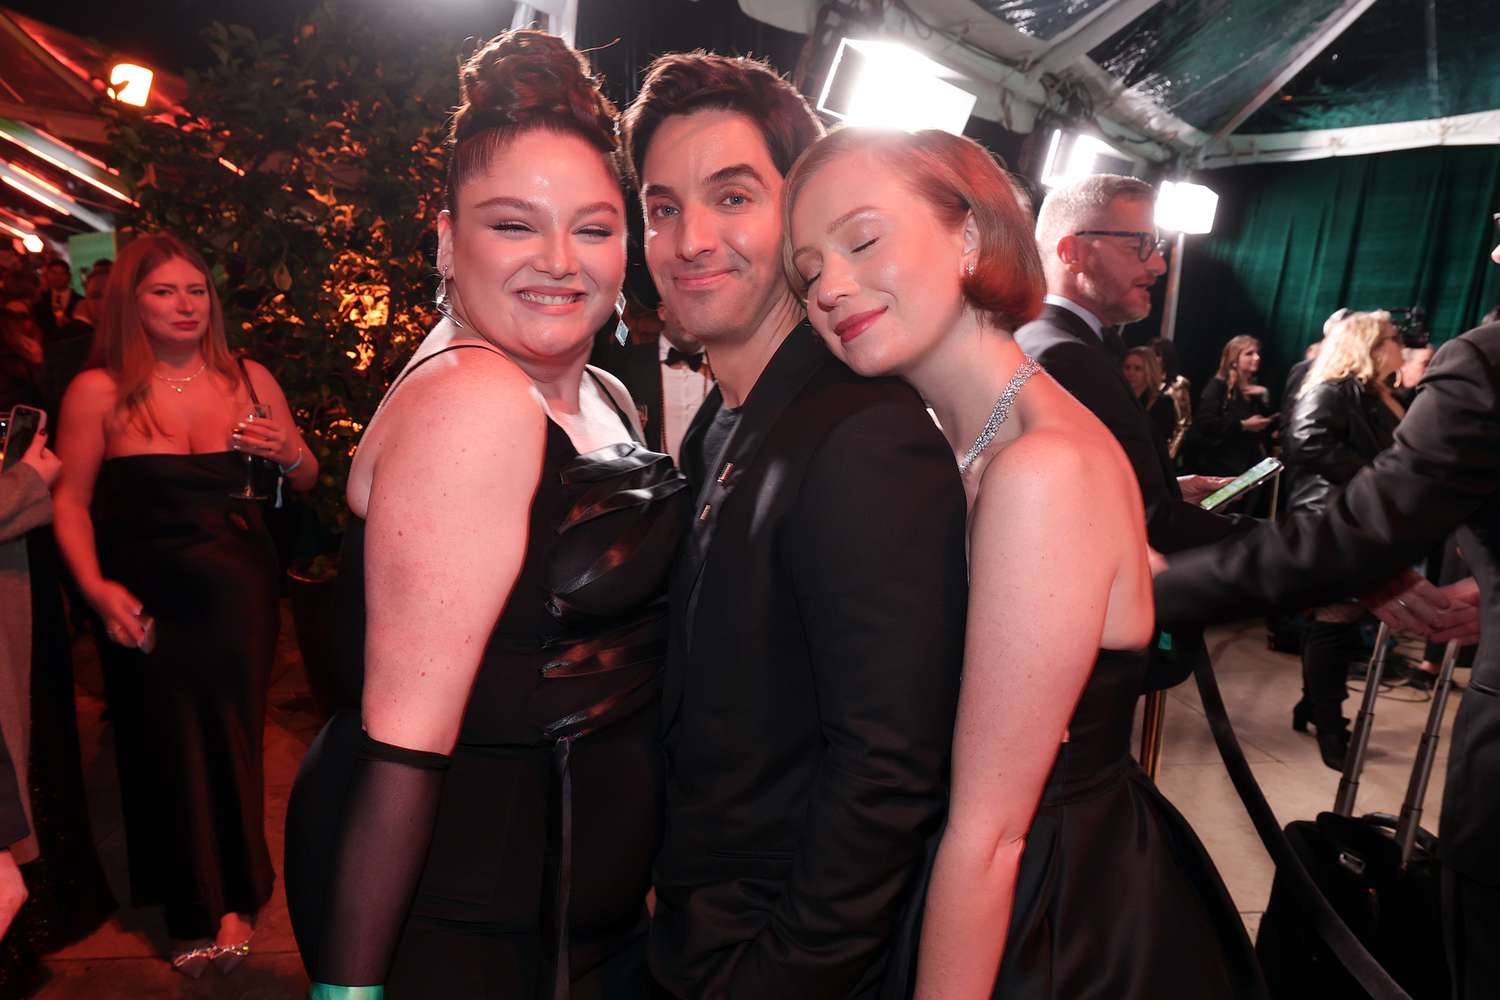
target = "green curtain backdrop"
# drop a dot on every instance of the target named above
(1293, 242)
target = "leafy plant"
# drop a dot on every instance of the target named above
(308, 170)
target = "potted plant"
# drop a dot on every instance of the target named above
(308, 170)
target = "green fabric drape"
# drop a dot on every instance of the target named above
(1296, 241)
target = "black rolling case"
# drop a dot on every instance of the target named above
(1379, 872)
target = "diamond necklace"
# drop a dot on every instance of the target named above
(1027, 368)
(178, 383)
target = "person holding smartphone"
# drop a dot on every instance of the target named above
(24, 504)
(1235, 418)
(153, 523)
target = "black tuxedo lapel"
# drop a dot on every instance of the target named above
(800, 357)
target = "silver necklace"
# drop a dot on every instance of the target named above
(1027, 368)
(178, 383)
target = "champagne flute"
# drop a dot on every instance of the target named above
(248, 491)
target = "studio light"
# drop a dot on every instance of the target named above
(130, 84)
(1183, 207)
(33, 243)
(1072, 157)
(888, 85)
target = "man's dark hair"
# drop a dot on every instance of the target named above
(684, 82)
(59, 262)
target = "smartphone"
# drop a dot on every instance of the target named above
(1243, 483)
(21, 429)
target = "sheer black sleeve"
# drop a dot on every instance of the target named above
(382, 839)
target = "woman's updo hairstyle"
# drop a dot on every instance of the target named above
(521, 80)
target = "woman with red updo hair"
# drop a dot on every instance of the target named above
(916, 258)
(479, 819)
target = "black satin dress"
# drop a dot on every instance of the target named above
(550, 811)
(189, 717)
(1116, 899)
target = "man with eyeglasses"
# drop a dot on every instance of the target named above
(1102, 253)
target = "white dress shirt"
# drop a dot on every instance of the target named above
(682, 393)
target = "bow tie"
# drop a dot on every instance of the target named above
(675, 357)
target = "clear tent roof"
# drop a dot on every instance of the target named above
(1223, 79)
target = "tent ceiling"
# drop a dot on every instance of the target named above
(1210, 82)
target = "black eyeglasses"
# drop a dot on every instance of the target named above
(1497, 223)
(1146, 244)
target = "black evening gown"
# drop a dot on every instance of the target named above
(189, 717)
(1116, 899)
(556, 780)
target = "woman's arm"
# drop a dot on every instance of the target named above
(279, 439)
(81, 443)
(1040, 580)
(445, 536)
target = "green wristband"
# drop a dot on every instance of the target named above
(322, 991)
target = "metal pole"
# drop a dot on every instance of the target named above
(1354, 761)
(1174, 287)
(1421, 771)
(1153, 721)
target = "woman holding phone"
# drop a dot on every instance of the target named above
(157, 436)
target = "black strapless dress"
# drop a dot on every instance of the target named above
(1116, 898)
(189, 717)
(550, 810)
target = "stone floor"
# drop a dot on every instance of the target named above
(122, 958)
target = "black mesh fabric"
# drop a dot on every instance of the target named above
(384, 832)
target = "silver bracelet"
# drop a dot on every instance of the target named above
(287, 470)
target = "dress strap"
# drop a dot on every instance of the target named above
(437, 354)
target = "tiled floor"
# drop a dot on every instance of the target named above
(122, 958)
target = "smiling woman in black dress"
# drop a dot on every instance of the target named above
(484, 824)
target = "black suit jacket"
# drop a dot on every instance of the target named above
(46, 319)
(1081, 364)
(1442, 474)
(638, 365)
(817, 637)
(13, 825)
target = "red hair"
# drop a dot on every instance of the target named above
(121, 346)
(957, 178)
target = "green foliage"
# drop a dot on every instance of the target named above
(309, 171)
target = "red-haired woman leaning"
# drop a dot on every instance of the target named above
(156, 434)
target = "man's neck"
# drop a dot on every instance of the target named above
(1079, 306)
(738, 364)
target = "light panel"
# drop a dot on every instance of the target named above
(888, 85)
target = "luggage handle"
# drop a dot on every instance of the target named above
(1354, 761)
(1421, 768)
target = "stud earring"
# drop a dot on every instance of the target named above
(969, 269)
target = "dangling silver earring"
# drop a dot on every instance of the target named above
(444, 300)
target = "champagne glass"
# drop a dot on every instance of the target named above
(248, 491)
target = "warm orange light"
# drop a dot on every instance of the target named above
(130, 84)
(38, 181)
(31, 192)
(44, 155)
(33, 243)
(230, 166)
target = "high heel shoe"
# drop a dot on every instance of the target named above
(191, 958)
(1333, 747)
(1301, 716)
(227, 957)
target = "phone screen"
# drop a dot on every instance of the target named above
(1247, 480)
(24, 422)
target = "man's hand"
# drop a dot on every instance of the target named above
(12, 890)
(1461, 620)
(1195, 488)
(1257, 423)
(1410, 604)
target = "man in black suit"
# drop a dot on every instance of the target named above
(818, 610)
(1442, 475)
(1101, 253)
(54, 310)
